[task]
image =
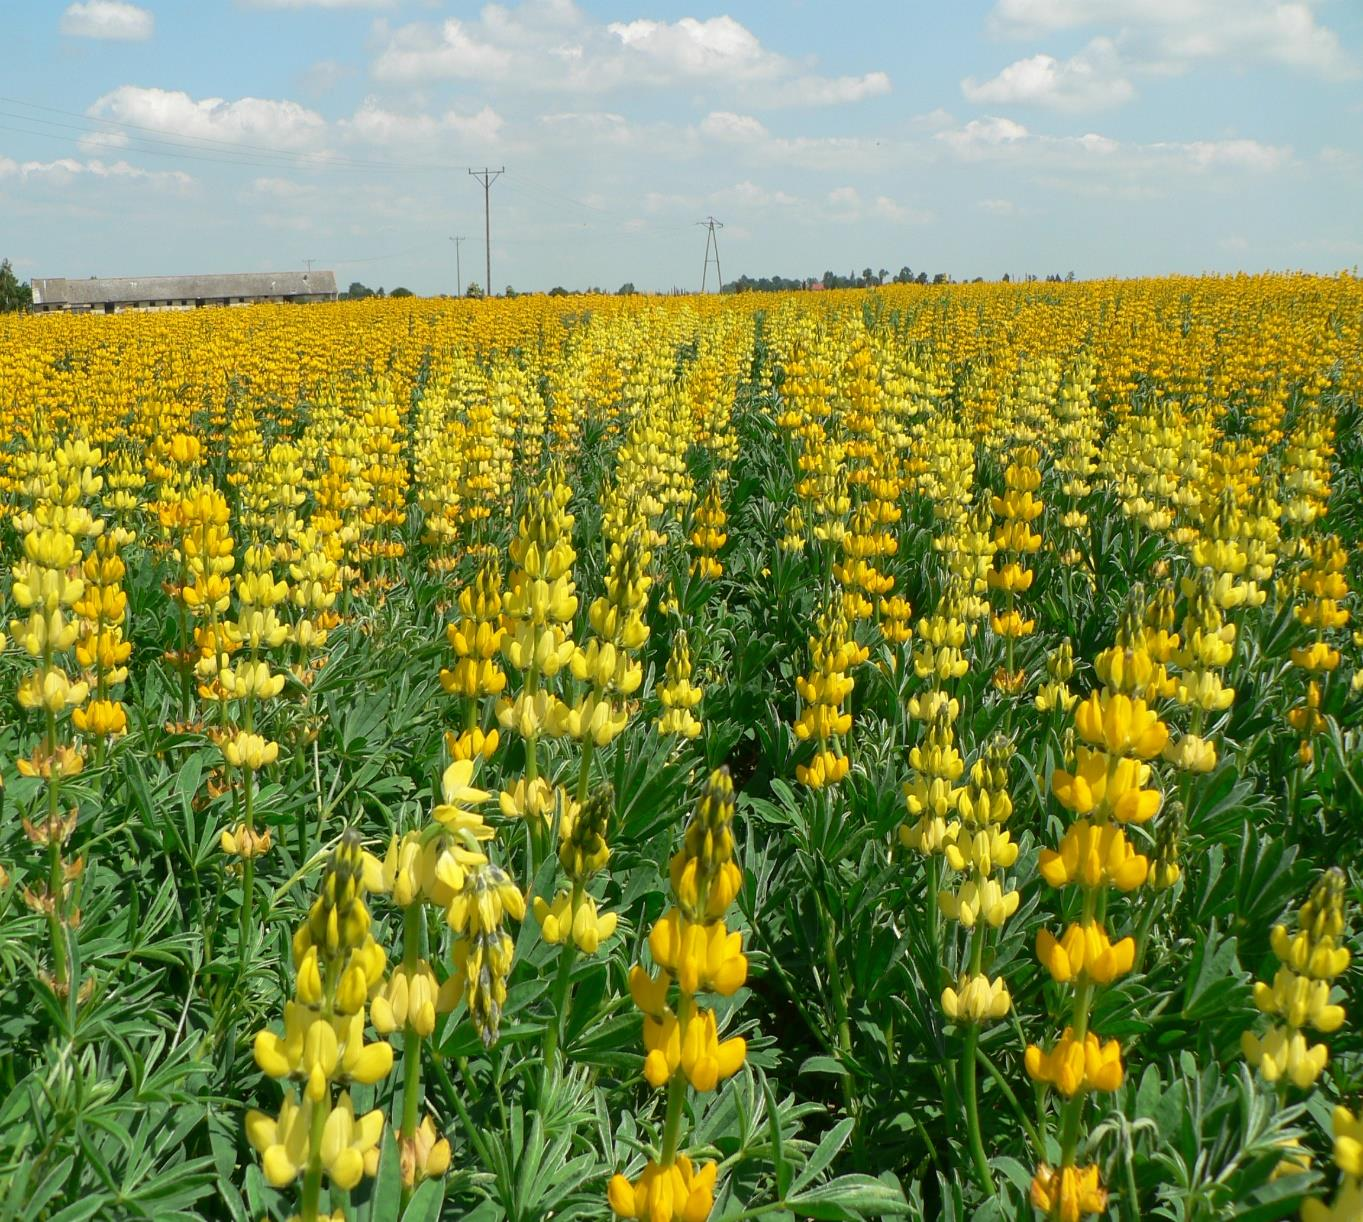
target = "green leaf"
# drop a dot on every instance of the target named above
(849, 1196)
(827, 1150)
(424, 1205)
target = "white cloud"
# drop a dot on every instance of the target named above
(1233, 154)
(1090, 80)
(111, 20)
(281, 188)
(323, 76)
(1003, 140)
(280, 124)
(845, 201)
(1170, 34)
(552, 45)
(933, 120)
(888, 209)
(717, 47)
(100, 141)
(413, 55)
(1338, 158)
(827, 90)
(375, 125)
(748, 194)
(997, 207)
(981, 134)
(845, 205)
(725, 125)
(596, 124)
(66, 170)
(317, 3)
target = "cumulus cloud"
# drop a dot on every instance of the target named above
(66, 170)
(887, 209)
(718, 46)
(553, 45)
(827, 90)
(102, 141)
(747, 194)
(279, 124)
(1004, 140)
(374, 124)
(846, 205)
(1169, 35)
(413, 55)
(1234, 154)
(110, 20)
(982, 134)
(317, 3)
(1090, 80)
(725, 125)
(281, 188)
(323, 76)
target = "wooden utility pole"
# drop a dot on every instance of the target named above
(487, 177)
(458, 270)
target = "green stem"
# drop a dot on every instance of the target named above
(561, 995)
(1069, 1137)
(248, 865)
(1143, 931)
(411, 1082)
(411, 1100)
(972, 1109)
(672, 1125)
(584, 773)
(312, 1179)
(56, 922)
(1002, 1083)
(472, 1131)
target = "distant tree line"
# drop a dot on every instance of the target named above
(358, 292)
(866, 279)
(15, 294)
(832, 280)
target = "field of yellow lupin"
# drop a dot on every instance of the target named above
(840, 755)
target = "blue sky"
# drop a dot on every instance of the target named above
(1107, 137)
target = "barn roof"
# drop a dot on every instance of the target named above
(100, 290)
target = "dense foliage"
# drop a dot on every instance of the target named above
(887, 753)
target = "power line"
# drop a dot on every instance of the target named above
(711, 240)
(487, 177)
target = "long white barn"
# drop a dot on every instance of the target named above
(112, 295)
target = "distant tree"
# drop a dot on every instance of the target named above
(883, 275)
(921, 278)
(558, 291)
(1069, 277)
(941, 278)
(904, 276)
(474, 289)
(14, 293)
(829, 280)
(868, 277)
(509, 292)
(358, 291)
(1007, 279)
(627, 289)
(401, 292)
